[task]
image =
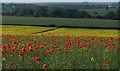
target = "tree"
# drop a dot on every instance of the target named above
(14, 11)
(99, 17)
(72, 13)
(110, 15)
(84, 14)
(6, 12)
(21, 12)
(55, 12)
(117, 14)
(39, 12)
(95, 13)
(107, 8)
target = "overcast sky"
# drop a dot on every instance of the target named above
(28, 1)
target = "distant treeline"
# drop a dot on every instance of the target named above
(58, 12)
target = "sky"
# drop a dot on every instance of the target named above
(29, 1)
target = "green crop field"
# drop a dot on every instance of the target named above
(60, 22)
(99, 11)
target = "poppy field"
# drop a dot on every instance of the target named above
(53, 37)
(60, 52)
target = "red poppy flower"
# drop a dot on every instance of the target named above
(21, 54)
(105, 62)
(69, 47)
(11, 64)
(23, 49)
(15, 42)
(30, 48)
(109, 48)
(96, 45)
(88, 45)
(70, 42)
(36, 51)
(80, 45)
(37, 46)
(45, 44)
(113, 45)
(42, 35)
(59, 49)
(8, 45)
(4, 49)
(53, 41)
(29, 44)
(14, 48)
(35, 40)
(7, 52)
(45, 66)
(36, 59)
(49, 52)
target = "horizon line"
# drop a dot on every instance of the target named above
(59, 2)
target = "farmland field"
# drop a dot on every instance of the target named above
(60, 52)
(85, 32)
(98, 23)
(28, 47)
(63, 48)
(23, 30)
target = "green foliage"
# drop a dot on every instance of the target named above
(61, 12)
(100, 12)
(39, 12)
